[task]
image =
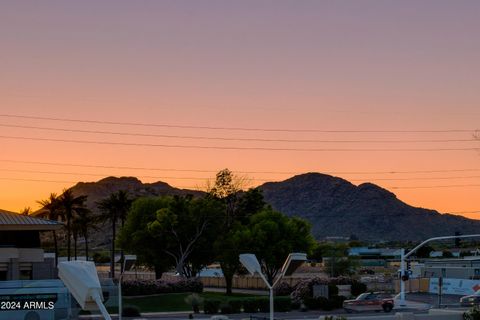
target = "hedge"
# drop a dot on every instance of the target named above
(147, 287)
(211, 306)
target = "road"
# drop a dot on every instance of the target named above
(423, 300)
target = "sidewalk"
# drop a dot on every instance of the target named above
(410, 305)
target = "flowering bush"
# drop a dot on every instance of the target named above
(148, 287)
(283, 289)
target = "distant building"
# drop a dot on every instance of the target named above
(374, 257)
(21, 257)
(439, 254)
(466, 268)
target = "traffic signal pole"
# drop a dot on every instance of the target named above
(402, 273)
(404, 256)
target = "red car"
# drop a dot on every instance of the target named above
(373, 301)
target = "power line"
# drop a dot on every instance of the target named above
(461, 212)
(234, 148)
(442, 186)
(194, 187)
(37, 180)
(226, 128)
(237, 171)
(209, 178)
(106, 175)
(233, 139)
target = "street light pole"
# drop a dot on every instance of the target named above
(405, 256)
(131, 260)
(293, 261)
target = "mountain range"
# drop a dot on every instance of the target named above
(334, 207)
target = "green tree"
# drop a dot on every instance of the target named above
(424, 252)
(114, 209)
(272, 236)
(335, 257)
(135, 235)
(51, 207)
(238, 206)
(447, 254)
(182, 226)
(69, 204)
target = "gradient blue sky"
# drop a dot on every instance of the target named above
(334, 65)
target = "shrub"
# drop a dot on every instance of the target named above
(319, 303)
(472, 314)
(295, 305)
(130, 311)
(336, 301)
(358, 288)
(263, 304)
(283, 304)
(225, 308)
(148, 287)
(211, 306)
(250, 305)
(283, 289)
(236, 305)
(101, 257)
(332, 290)
(195, 301)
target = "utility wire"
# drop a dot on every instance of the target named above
(233, 139)
(234, 148)
(240, 171)
(226, 128)
(195, 187)
(442, 186)
(209, 178)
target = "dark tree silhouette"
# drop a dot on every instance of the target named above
(52, 212)
(70, 205)
(114, 208)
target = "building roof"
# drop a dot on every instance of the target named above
(14, 221)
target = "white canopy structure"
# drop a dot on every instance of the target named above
(81, 279)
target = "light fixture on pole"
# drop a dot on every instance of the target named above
(127, 264)
(293, 261)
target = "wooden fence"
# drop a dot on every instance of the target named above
(414, 285)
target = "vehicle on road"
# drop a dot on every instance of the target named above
(373, 301)
(470, 300)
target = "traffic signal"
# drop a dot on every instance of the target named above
(405, 277)
(457, 240)
(409, 267)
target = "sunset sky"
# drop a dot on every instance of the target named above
(380, 91)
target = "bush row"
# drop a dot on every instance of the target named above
(250, 305)
(146, 287)
(321, 303)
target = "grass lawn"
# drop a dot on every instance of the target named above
(174, 301)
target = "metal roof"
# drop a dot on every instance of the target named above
(14, 221)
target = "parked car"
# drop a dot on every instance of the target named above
(373, 301)
(470, 300)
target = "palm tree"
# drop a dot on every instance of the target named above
(26, 211)
(70, 205)
(52, 212)
(83, 222)
(115, 208)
